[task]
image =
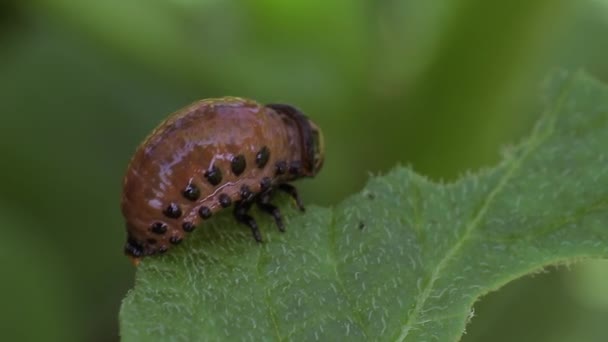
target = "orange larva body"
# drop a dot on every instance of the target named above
(208, 156)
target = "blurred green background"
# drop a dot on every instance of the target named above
(440, 85)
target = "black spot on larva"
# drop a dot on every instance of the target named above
(361, 225)
(134, 248)
(191, 192)
(188, 226)
(261, 158)
(172, 211)
(225, 200)
(175, 240)
(162, 249)
(151, 241)
(238, 164)
(158, 228)
(204, 212)
(214, 175)
(265, 183)
(281, 167)
(294, 167)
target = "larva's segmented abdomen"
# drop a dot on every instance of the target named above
(205, 158)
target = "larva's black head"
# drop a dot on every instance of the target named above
(313, 144)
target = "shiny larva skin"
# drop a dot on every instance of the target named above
(188, 149)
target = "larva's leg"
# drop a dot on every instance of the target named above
(264, 204)
(293, 192)
(240, 213)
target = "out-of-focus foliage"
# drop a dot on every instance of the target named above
(440, 85)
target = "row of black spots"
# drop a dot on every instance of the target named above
(238, 164)
(204, 212)
(173, 210)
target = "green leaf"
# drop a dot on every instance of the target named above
(405, 259)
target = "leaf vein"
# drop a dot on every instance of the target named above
(537, 137)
